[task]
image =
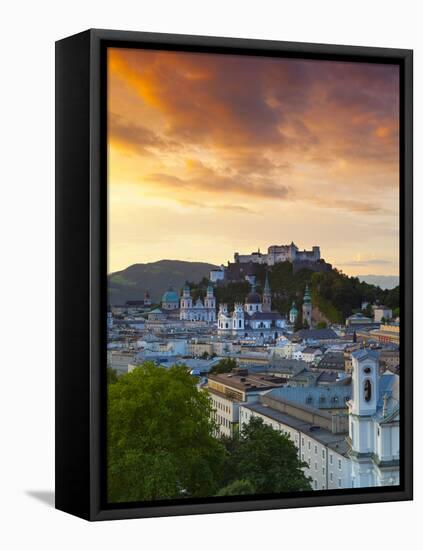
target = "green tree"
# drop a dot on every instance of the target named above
(298, 325)
(237, 487)
(368, 312)
(268, 460)
(322, 324)
(112, 376)
(160, 437)
(224, 365)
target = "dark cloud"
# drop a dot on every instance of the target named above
(266, 120)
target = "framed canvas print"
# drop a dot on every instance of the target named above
(234, 274)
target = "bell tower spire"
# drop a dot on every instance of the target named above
(307, 307)
(267, 295)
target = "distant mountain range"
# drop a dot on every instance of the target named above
(132, 282)
(382, 281)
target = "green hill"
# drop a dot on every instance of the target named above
(334, 294)
(132, 282)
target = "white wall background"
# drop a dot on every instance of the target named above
(28, 32)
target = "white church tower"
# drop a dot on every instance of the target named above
(238, 318)
(373, 422)
(186, 304)
(223, 319)
(210, 304)
(186, 300)
(210, 300)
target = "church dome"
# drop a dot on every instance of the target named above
(293, 308)
(170, 296)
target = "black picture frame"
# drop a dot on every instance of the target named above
(81, 272)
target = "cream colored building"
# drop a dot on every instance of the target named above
(228, 391)
(319, 437)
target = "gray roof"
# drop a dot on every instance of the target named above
(271, 315)
(360, 354)
(316, 334)
(318, 397)
(323, 436)
(311, 349)
(289, 366)
(389, 386)
(332, 360)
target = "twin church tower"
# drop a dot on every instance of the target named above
(257, 309)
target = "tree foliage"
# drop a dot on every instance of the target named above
(265, 458)
(112, 376)
(335, 294)
(224, 365)
(161, 444)
(160, 437)
(237, 487)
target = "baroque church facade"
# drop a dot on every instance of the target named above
(254, 318)
(199, 310)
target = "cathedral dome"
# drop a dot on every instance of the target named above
(170, 296)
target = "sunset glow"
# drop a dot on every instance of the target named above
(211, 154)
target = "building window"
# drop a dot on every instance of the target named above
(331, 476)
(367, 390)
(315, 449)
(315, 466)
(309, 445)
(309, 462)
(339, 465)
(315, 484)
(330, 459)
(302, 456)
(302, 441)
(323, 470)
(323, 453)
(339, 482)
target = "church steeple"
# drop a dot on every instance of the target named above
(307, 307)
(267, 295)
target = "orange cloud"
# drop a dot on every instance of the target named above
(241, 135)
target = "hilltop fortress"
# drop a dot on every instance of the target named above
(280, 253)
(245, 266)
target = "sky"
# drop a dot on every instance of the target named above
(211, 154)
